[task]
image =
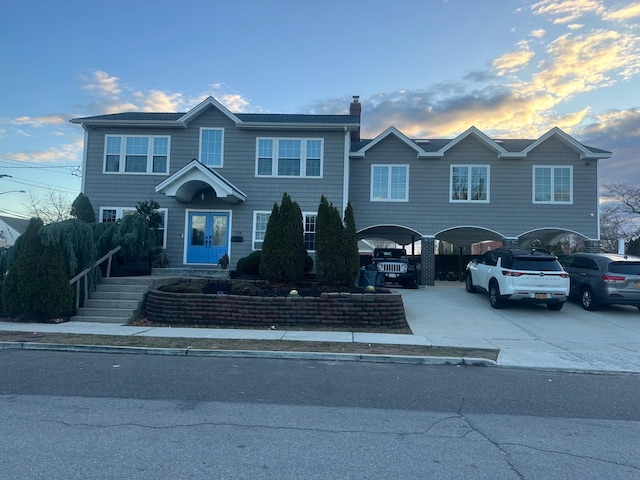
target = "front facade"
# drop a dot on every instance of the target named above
(216, 176)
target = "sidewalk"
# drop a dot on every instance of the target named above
(528, 336)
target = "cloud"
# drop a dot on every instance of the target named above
(42, 121)
(67, 153)
(630, 11)
(513, 61)
(158, 101)
(583, 63)
(567, 11)
(102, 83)
(539, 33)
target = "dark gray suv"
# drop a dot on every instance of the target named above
(603, 279)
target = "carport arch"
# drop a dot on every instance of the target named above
(549, 236)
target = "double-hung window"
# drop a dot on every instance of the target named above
(137, 154)
(289, 157)
(261, 220)
(469, 183)
(212, 146)
(389, 183)
(552, 184)
(113, 214)
(309, 220)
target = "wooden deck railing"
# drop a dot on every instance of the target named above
(83, 275)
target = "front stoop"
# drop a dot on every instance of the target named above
(118, 299)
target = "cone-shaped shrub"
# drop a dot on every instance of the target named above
(82, 209)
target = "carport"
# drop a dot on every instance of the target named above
(461, 236)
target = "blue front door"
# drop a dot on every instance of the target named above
(208, 237)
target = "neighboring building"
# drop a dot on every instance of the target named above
(10, 229)
(216, 176)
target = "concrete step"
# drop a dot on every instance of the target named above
(99, 319)
(146, 280)
(107, 312)
(100, 295)
(117, 303)
(128, 288)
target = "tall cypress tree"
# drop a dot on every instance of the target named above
(268, 261)
(350, 247)
(291, 251)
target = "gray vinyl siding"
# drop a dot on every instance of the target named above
(510, 212)
(126, 190)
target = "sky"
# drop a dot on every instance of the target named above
(431, 68)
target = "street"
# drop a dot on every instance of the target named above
(79, 415)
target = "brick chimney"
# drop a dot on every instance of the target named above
(356, 109)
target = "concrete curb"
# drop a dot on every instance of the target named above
(343, 357)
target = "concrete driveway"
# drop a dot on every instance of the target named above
(527, 335)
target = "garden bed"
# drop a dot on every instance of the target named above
(258, 304)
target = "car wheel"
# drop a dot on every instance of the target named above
(555, 306)
(468, 283)
(587, 299)
(495, 299)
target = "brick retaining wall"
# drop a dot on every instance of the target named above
(331, 309)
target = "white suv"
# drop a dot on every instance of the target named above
(526, 275)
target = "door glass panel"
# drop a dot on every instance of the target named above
(219, 231)
(198, 223)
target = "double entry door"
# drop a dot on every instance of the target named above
(208, 236)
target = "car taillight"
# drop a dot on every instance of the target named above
(563, 275)
(611, 279)
(508, 273)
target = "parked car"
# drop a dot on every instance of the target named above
(603, 279)
(393, 263)
(533, 276)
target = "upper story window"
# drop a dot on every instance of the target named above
(289, 157)
(469, 183)
(137, 154)
(113, 214)
(552, 184)
(212, 146)
(389, 183)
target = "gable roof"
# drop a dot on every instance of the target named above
(18, 224)
(507, 148)
(242, 120)
(191, 178)
(391, 131)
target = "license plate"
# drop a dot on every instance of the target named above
(392, 275)
(541, 296)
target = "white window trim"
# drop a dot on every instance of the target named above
(469, 166)
(120, 212)
(123, 155)
(304, 218)
(552, 201)
(268, 212)
(388, 166)
(202, 129)
(303, 157)
(253, 230)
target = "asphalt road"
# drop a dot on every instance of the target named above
(77, 415)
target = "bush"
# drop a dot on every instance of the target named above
(37, 285)
(82, 209)
(250, 265)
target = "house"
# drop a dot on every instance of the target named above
(10, 229)
(216, 176)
